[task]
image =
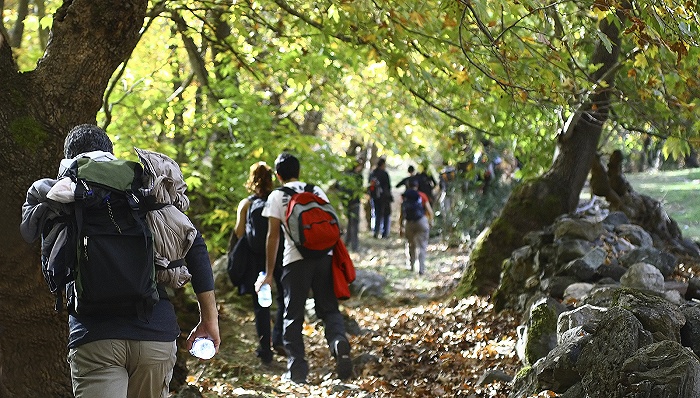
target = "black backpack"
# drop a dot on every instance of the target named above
(114, 271)
(412, 205)
(256, 225)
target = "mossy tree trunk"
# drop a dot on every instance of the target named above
(536, 203)
(90, 38)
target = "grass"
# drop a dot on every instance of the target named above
(679, 193)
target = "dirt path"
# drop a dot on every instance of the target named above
(414, 341)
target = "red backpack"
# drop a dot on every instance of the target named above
(311, 222)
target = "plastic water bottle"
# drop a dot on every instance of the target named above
(265, 293)
(203, 348)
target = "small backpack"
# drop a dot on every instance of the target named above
(311, 222)
(375, 187)
(256, 225)
(412, 205)
(114, 271)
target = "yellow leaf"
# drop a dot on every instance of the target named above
(461, 76)
(600, 14)
(640, 60)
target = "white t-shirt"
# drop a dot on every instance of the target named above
(276, 207)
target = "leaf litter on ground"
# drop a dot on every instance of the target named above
(415, 341)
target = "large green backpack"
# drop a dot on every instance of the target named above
(114, 273)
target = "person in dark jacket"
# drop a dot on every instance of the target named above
(382, 203)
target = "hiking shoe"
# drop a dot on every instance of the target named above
(343, 362)
(279, 349)
(287, 376)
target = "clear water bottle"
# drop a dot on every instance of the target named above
(265, 293)
(203, 348)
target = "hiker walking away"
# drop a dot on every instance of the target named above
(251, 225)
(351, 193)
(381, 199)
(426, 182)
(299, 274)
(119, 351)
(415, 221)
(406, 182)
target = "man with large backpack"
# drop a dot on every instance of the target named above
(122, 326)
(414, 222)
(302, 208)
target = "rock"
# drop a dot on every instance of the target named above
(569, 228)
(578, 317)
(539, 336)
(613, 271)
(556, 285)
(368, 283)
(616, 218)
(572, 249)
(643, 276)
(661, 318)
(584, 268)
(664, 262)
(618, 336)
(693, 291)
(492, 375)
(661, 370)
(635, 235)
(690, 332)
(601, 296)
(576, 292)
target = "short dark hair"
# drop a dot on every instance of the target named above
(287, 166)
(381, 161)
(86, 138)
(411, 169)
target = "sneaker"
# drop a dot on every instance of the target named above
(279, 349)
(287, 376)
(342, 359)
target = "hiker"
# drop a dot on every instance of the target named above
(351, 192)
(426, 182)
(126, 353)
(251, 225)
(406, 182)
(415, 221)
(299, 274)
(381, 199)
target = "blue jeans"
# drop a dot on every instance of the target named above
(382, 217)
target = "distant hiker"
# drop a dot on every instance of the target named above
(448, 174)
(414, 223)
(301, 272)
(426, 182)
(380, 192)
(252, 226)
(119, 346)
(351, 193)
(406, 182)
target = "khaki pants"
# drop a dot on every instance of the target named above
(122, 368)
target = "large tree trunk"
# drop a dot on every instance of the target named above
(90, 38)
(536, 203)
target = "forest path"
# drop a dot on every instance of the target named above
(415, 341)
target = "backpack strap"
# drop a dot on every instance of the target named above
(309, 188)
(288, 191)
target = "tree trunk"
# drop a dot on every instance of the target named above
(89, 40)
(536, 203)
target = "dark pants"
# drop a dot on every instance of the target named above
(262, 321)
(297, 278)
(382, 217)
(353, 228)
